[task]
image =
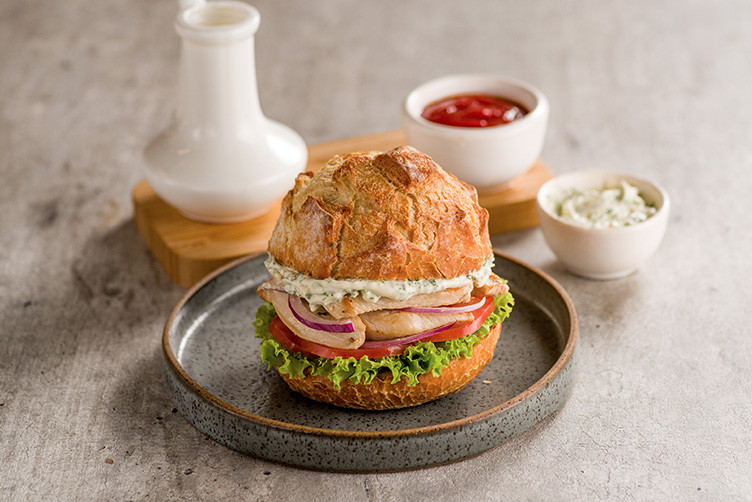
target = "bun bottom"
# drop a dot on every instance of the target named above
(382, 394)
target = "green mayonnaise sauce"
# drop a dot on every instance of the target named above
(606, 207)
(319, 292)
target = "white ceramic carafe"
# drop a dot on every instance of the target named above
(221, 160)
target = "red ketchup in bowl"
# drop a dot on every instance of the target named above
(473, 110)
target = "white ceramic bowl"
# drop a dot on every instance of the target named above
(601, 253)
(486, 157)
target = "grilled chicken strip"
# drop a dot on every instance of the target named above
(494, 287)
(350, 306)
(388, 324)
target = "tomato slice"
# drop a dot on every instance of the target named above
(465, 328)
(294, 343)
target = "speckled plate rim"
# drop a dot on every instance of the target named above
(547, 378)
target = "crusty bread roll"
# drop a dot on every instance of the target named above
(381, 216)
(382, 394)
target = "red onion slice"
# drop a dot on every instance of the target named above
(455, 309)
(313, 321)
(405, 340)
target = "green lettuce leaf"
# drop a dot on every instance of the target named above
(418, 359)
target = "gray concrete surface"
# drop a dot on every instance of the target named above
(661, 88)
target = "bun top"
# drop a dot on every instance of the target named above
(381, 216)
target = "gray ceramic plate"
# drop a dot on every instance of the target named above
(216, 381)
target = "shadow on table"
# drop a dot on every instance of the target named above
(130, 297)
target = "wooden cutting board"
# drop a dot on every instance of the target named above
(188, 250)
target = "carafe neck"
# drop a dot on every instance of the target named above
(217, 91)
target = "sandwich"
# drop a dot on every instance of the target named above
(382, 292)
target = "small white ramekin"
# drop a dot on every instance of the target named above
(601, 253)
(486, 157)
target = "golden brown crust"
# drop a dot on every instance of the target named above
(382, 394)
(370, 215)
